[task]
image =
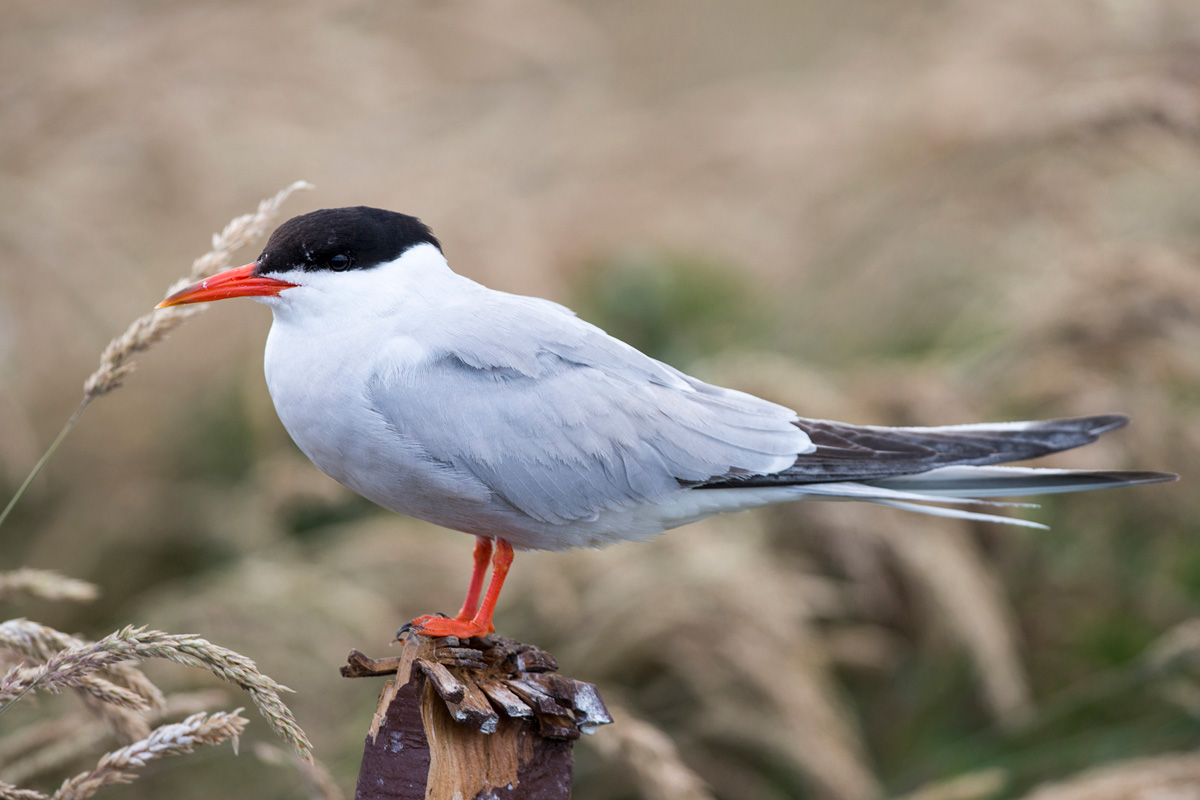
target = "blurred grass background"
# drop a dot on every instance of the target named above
(900, 213)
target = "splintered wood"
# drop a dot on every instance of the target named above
(485, 717)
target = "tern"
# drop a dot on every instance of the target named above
(510, 418)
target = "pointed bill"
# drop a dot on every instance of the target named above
(237, 282)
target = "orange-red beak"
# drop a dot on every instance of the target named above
(237, 282)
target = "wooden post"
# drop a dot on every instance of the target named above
(487, 717)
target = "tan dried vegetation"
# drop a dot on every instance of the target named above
(105, 675)
(109, 685)
(943, 212)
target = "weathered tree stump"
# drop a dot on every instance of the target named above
(486, 717)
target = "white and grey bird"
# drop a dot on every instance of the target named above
(510, 418)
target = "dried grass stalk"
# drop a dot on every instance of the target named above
(191, 651)
(117, 359)
(146, 331)
(51, 745)
(130, 677)
(34, 640)
(40, 643)
(650, 757)
(73, 668)
(46, 584)
(68, 661)
(55, 677)
(168, 740)
(10, 792)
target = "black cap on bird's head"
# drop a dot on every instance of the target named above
(340, 239)
(332, 240)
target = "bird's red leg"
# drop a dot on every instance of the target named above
(500, 564)
(483, 554)
(481, 623)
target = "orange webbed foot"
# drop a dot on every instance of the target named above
(421, 620)
(430, 625)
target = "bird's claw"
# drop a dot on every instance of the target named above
(415, 626)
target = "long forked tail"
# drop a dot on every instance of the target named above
(962, 468)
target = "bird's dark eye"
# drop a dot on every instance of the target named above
(340, 262)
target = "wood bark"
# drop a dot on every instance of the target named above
(486, 717)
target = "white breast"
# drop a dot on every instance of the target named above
(331, 335)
